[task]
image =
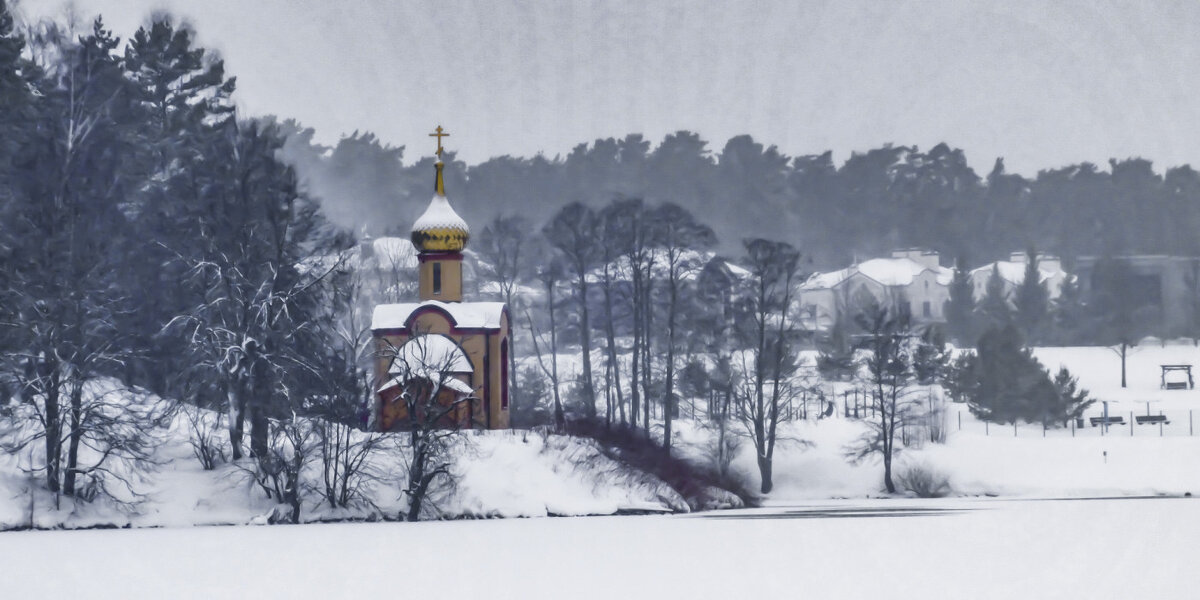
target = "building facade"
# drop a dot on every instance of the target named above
(911, 281)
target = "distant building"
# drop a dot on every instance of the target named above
(910, 281)
(1165, 291)
(1012, 273)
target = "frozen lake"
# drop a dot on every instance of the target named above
(954, 548)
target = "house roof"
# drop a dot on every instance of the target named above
(1012, 272)
(885, 271)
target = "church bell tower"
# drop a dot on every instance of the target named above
(440, 236)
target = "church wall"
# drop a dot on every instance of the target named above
(482, 347)
(451, 265)
(496, 366)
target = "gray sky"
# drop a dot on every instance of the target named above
(1041, 83)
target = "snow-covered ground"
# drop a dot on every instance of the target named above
(527, 474)
(953, 549)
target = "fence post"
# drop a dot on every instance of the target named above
(1014, 429)
(985, 428)
(1131, 423)
(1160, 425)
(960, 420)
(1072, 427)
(1043, 429)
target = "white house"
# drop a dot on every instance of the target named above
(911, 280)
(1012, 273)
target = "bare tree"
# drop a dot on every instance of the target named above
(345, 391)
(549, 275)
(436, 406)
(682, 238)
(889, 345)
(573, 231)
(774, 269)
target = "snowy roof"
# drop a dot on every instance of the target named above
(457, 385)
(440, 215)
(430, 353)
(394, 252)
(1012, 272)
(886, 271)
(472, 315)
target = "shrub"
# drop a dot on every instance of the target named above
(924, 481)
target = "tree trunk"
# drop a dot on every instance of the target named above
(75, 435)
(635, 362)
(585, 341)
(236, 396)
(611, 334)
(668, 395)
(647, 318)
(1124, 347)
(560, 421)
(53, 426)
(257, 406)
(764, 471)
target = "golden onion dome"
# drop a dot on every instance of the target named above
(439, 228)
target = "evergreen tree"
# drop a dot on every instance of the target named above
(835, 358)
(183, 109)
(994, 307)
(1002, 381)
(1070, 313)
(1071, 399)
(960, 308)
(1032, 300)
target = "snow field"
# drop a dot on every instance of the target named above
(983, 549)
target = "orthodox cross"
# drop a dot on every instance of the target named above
(439, 135)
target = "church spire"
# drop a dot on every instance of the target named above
(439, 185)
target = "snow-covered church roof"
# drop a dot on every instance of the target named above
(432, 357)
(440, 215)
(466, 315)
(430, 352)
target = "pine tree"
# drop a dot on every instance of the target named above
(1071, 399)
(960, 308)
(1032, 300)
(184, 107)
(1070, 313)
(994, 306)
(1003, 382)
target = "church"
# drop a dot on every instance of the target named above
(440, 340)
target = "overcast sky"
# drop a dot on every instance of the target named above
(1041, 83)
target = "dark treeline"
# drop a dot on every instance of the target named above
(148, 236)
(876, 201)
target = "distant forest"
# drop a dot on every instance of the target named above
(876, 201)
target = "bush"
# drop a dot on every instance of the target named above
(924, 481)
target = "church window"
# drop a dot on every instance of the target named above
(437, 279)
(504, 374)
